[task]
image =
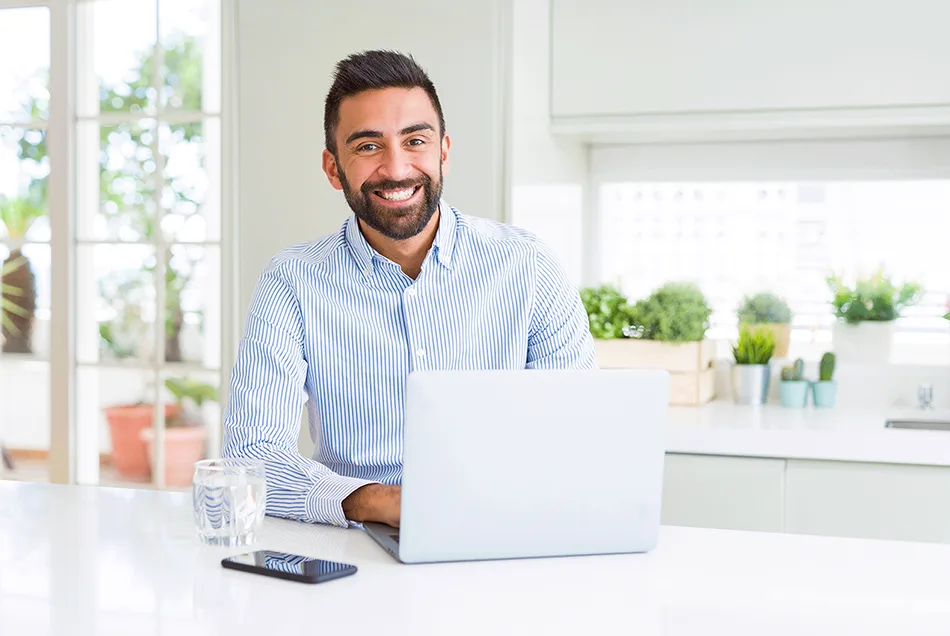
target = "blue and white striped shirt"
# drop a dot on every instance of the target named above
(337, 326)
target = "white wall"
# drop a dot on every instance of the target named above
(286, 53)
(547, 175)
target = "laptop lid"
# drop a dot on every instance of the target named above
(511, 464)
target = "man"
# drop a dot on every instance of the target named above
(408, 283)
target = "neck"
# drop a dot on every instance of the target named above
(407, 253)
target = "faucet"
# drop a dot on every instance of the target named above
(925, 396)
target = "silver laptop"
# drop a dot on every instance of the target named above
(516, 464)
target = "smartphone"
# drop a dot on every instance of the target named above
(291, 567)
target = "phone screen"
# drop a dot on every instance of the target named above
(309, 567)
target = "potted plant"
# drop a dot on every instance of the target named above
(750, 375)
(825, 391)
(19, 293)
(772, 312)
(10, 310)
(185, 433)
(866, 314)
(608, 311)
(793, 389)
(126, 423)
(666, 330)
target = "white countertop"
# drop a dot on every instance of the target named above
(86, 560)
(841, 433)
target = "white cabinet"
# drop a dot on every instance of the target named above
(686, 66)
(883, 501)
(735, 493)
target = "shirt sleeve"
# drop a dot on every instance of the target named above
(559, 336)
(265, 404)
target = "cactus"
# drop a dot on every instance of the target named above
(826, 370)
(795, 372)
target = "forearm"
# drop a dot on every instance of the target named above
(374, 502)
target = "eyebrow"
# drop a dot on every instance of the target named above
(375, 134)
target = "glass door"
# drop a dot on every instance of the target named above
(147, 240)
(25, 255)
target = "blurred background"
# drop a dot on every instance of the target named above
(791, 162)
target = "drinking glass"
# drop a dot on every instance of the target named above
(230, 496)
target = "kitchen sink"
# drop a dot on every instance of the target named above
(925, 425)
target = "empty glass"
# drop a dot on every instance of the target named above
(229, 499)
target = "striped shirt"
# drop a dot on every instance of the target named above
(337, 327)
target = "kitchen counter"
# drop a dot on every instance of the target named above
(86, 560)
(837, 434)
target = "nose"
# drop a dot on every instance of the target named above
(396, 165)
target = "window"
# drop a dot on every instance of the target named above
(737, 238)
(145, 116)
(24, 229)
(148, 228)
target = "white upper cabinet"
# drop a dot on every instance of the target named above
(766, 64)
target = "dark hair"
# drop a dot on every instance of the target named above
(371, 70)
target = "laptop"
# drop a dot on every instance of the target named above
(521, 464)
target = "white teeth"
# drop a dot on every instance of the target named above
(398, 195)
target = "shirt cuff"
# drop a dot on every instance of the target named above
(325, 501)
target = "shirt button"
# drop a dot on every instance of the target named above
(411, 292)
(367, 271)
(421, 352)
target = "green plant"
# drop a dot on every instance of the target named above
(795, 372)
(185, 389)
(8, 308)
(872, 298)
(675, 312)
(755, 346)
(19, 293)
(18, 215)
(608, 311)
(826, 369)
(764, 308)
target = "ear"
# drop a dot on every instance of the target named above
(446, 143)
(332, 169)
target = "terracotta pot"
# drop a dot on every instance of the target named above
(184, 445)
(126, 423)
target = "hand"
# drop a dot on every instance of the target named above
(374, 502)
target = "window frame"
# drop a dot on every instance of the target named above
(74, 458)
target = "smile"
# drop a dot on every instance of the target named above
(397, 196)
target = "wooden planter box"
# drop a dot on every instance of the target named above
(691, 365)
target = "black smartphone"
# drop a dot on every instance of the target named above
(291, 567)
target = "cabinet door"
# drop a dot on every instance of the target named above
(644, 58)
(879, 501)
(735, 493)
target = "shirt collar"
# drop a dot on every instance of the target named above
(444, 242)
(445, 236)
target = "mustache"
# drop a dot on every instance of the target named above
(369, 187)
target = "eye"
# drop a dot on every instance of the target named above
(366, 148)
(417, 142)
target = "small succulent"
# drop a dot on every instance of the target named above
(795, 372)
(826, 369)
(755, 346)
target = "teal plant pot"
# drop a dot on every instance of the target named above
(794, 395)
(825, 394)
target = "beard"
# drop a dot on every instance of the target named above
(395, 223)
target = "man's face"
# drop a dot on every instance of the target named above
(389, 159)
